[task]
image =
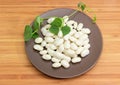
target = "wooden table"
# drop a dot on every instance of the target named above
(15, 68)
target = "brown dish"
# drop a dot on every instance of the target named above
(75, 69)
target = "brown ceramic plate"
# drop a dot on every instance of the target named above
(75, 69)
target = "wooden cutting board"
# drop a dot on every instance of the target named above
(15, 68)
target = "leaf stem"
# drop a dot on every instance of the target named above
(68, 16)
(73, 13)
(34, 32)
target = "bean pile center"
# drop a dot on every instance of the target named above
(63, 50)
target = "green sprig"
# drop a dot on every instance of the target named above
(82, 6)
(56, 25)
(32, 31)
(94, 19)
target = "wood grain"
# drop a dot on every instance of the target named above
(15, 69)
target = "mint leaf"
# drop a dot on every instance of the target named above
(54, 30)
(94, 19)
(57, 22)
(35, 35)
(27, 32)
(81, 6)
(65, 30)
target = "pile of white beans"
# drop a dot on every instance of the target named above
(62, 50)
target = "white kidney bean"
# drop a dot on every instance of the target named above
(50, 52)
(48, 34)
(86, 41)
(56, 60)
(79, 50)
(65, 64)
(75, 55)
(46, 57)
(64, 24)
(70, 53)
(58, 55)
(49, 39)
(43, 43)
(86, 30)
(38, 47)
(61, 48)
(44, 31)
(85, 53)
(87, 46)
(66, 18)
(38, 40)
(66, 37)
(48, 46)
(56, 65)
(80, 33)
(80, 26)
(67, 44)
(77, 35)
(76, 59)
(50, 20)
(43, 52)
(52, 46)
(84, 36)
(73, 32)
(70, 22)
(68, 59)
(79, 42)
(58, 41)
(75, 25)
(72, 38)
(73, 46)
(47, 26)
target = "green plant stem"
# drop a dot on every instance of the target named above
(34, 32)
(68, 16)
(73, 13)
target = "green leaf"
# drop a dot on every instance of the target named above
(37, 22)
(35, 25)
(57, 22)
(39, 19)
(81, 6)
(94, 19)
(54, 30)
(27, 32)
(35, 35)
(65, 30)
(55, 25)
